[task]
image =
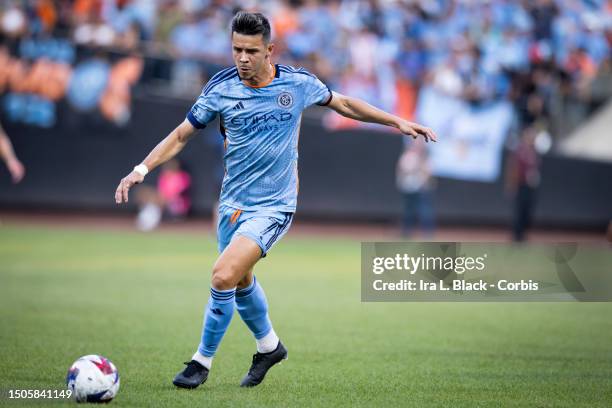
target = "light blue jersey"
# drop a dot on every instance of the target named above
(261, 128)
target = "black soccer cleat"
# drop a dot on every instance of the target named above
(192, 376)
(262, 362)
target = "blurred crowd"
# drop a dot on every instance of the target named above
(535, 53)
(458, 62)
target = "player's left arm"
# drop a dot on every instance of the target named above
(357, 109)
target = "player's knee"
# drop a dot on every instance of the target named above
(223, 282)
(224, 277)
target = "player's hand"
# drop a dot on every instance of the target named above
(16, 169)
(415, 130)
(121, 195)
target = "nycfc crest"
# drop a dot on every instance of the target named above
(285, 100)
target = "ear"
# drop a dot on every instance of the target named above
(269, 50)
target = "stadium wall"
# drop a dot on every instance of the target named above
(348, 174)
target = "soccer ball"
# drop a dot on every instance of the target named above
(93, 378)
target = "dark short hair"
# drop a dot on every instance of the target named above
(251, 24)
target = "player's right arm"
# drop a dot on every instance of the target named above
(165, 150)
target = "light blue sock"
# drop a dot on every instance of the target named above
(252, 305)
(217, 318)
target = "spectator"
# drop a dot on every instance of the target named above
(14, 22)
(172, 197)
(414, 181)
(522, 181)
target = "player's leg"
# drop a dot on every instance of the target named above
(251, 300)
(232, 265)
(252, 306)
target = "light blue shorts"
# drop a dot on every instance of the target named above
(263, 227)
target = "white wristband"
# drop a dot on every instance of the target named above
(141, 169)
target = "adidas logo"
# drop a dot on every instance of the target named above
(238, 106)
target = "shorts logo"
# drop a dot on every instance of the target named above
(285, 100)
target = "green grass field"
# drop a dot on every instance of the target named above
(138, 299)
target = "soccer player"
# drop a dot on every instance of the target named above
(260, 105)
